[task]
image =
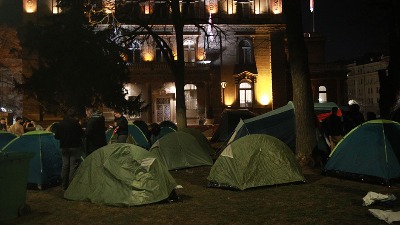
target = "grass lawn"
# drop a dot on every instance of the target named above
(322, 200)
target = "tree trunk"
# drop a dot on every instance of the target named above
(179, 70)
(302, 94)
(390, 84)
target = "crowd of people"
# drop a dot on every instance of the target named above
(20, 126)
(78, 137)
(336, 125)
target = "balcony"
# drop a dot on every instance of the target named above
(160, 71)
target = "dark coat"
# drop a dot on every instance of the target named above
(334, 125)
(122, 124)
(70, 133)
(95, 132)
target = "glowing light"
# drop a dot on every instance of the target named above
(265, 100)
(276, 6)
(30, 6)
(147, 8)
(172, 89)
(148, 57)
(352, 102)
(55, 9)
(223, 84)
(212, 6)
(312, 5)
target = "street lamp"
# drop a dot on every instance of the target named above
(223, 85)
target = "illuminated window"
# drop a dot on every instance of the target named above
(190, 96)
(189, 50)
(322, 94)
(245, 94)
(245, 52)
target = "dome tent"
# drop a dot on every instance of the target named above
(135, 136)
(121, 174)
(5, 138)
(200, 138)
(255, 160)
(370, 152)
(181, 150)
(45, 166)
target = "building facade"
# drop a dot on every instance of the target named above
(363, 83)
(245, 68)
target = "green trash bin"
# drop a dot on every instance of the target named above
(14, 168)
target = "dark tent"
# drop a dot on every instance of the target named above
(279, 123)
(136, 136)
(168, 123)
(229, 120)
(143, 127)
(45, 166)
(370, 151)
(5, 138)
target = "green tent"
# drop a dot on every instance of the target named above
(45, 166)
(5, 138)
(163, 131)
(370, 151)
(121, 174)
(205, 144)
(180, 150)
(255, 160)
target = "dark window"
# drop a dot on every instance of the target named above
(245, 52)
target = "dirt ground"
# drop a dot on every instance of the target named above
(321, 200)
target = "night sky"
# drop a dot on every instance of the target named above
(352, 28)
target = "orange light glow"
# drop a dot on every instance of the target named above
(30, 6)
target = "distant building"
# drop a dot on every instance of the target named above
(363, 82)
(328, 79)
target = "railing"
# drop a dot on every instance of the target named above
(164, 66)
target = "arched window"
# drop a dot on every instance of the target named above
(189, 49)
(245, 52)
(135, 52)
(245, 94)
(190, 96)
(322, 94)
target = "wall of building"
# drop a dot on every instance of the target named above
(363, 83)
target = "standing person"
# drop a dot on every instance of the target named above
(3, 124)
(121, 127)
(70, 133)
(36, 126)
(95, 130)
(354, 118)
(335, 128)
(17, 128)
